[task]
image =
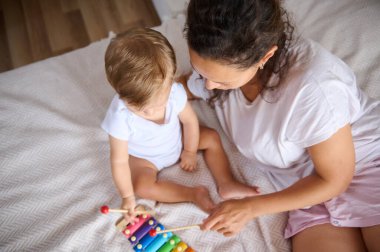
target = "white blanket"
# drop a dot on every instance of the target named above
(54, 158)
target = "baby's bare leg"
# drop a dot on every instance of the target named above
(145, 185)
(217, 161)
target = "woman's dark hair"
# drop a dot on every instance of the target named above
(240, 33)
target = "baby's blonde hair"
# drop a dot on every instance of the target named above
(139, 63)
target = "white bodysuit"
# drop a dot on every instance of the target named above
(318, 97)
(161, 144)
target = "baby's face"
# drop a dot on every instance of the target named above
(155, 108)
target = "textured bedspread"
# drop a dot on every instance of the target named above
(54, 158)
(55, 168)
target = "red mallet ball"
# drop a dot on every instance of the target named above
(152, 232)
(104, 209)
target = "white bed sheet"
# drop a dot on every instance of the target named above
(54, 165)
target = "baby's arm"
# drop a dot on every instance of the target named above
(190, 125)
(121, 174)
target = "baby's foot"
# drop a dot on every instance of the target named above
(202, 199)
(236, 190)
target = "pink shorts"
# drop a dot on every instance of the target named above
(358, 206)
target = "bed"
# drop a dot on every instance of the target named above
(54, 157)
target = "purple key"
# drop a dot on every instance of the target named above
(148, 239)
(143, 230)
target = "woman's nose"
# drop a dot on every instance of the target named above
(211, 85)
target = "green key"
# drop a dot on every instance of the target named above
(170, 244)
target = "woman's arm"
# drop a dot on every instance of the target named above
(334, 162)
(190, 126)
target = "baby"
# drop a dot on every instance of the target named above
(151, 125)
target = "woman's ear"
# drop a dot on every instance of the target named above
(268, 55)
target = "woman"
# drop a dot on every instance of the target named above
(295, 110)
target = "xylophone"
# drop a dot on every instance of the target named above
(148, 235)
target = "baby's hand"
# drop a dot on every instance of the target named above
(188, 161)
(129, 204)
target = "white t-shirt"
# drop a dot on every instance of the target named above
(160, 144)
(319, 97)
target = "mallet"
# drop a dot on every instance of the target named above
(106, 210)
(154, 232)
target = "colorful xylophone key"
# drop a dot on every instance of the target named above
(143, 230)
(170, 244)
(181, 247)
(147, 239)
(130, 229)
(158, 242)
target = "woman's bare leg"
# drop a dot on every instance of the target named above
(145, 185)
(371, 236)
(328, 238)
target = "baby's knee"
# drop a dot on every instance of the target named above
(143, 189)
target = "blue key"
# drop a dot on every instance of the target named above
(158, 242)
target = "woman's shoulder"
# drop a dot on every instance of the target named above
(310, 63)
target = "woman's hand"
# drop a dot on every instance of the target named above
(230, 216)
(129, 204)
(188, 161)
